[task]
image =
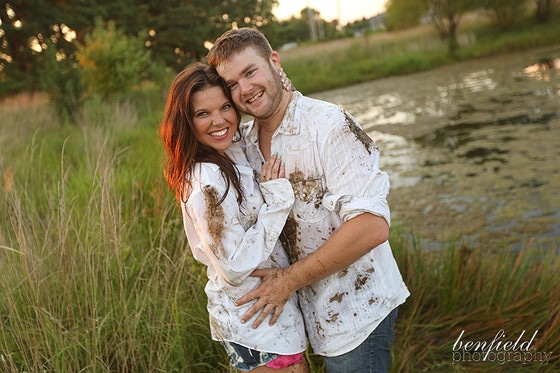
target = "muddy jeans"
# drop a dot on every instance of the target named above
(372, 356)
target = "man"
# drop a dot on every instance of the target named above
(348, 282)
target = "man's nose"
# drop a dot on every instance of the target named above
(244, 85)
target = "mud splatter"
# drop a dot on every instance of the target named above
(215, 216)
(360, 281)
(307, 189)
(337, 298)
(319, 329)
(333, 318)
(342, 273)
(360, 134)
(289, 240)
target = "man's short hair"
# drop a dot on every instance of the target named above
(235, 41)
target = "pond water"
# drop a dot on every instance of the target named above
(472, 149)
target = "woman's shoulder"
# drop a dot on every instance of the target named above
(206, 173)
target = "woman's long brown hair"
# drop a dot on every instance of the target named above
(182, 149)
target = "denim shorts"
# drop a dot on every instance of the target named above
(244, 358)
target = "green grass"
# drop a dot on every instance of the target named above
(96, 274)
(95, 270)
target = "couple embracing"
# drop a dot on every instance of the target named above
(288, 212)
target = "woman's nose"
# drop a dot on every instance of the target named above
(218, 118)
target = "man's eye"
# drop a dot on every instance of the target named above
(251, 73)
(232, 86)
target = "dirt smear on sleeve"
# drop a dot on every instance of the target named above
(215, 217)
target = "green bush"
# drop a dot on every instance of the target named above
(113, 62)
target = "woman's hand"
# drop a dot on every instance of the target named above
(273, 168)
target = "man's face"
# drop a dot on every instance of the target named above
(253, 81)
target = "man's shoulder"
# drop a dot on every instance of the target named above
(323, 114)
(318, 105)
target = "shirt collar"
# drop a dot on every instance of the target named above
(289, 125)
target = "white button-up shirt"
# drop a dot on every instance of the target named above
(334, 170)
(233, 240)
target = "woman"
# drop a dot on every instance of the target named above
(231, 223)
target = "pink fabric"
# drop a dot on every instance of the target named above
(284, 361)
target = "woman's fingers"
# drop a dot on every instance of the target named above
(272, 168)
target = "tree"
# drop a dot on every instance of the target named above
(506, 12)
(23, 29)
(404, 13)
(61, 78)
(174, 30)
(446, 16)
(544, 9)
(111, 61)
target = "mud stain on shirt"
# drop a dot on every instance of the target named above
(360, 281)
(337, 298)
(342, 272)
(307, 189)
(289, 240)
(215, 217)
(360, 134)
(334, 318)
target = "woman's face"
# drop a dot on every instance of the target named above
(215, 119)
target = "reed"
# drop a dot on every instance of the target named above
(478, 291)
(96, 274)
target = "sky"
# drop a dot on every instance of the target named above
(350, 10)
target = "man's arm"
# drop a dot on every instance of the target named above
(351, 241)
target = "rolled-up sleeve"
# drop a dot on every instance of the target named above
(356, 185)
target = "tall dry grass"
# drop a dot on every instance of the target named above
(96, 275)
(94, 269)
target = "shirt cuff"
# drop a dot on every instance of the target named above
(349, 207)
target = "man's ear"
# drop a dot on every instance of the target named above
(275, 60)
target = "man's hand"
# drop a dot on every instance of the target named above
(271, 295)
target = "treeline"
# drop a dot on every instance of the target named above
(446, 15)
(72, 49)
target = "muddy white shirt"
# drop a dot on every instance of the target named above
(233, 240)
(333, 167)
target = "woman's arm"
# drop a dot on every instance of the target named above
(234, 251)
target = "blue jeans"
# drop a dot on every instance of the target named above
(372, 356)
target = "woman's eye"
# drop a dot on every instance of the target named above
(201, 114)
